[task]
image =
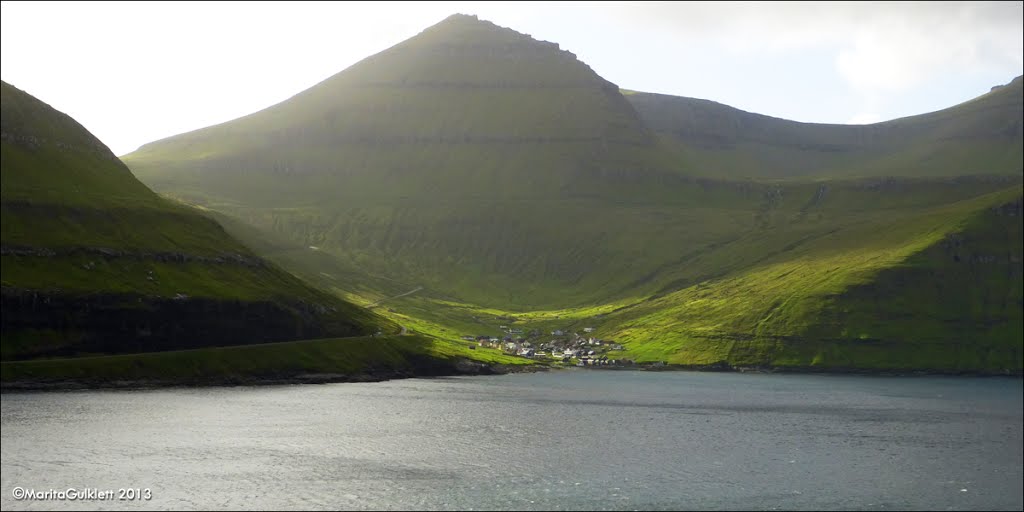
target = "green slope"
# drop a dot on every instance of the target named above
(94, 262)
(939, 290)
(981, 136)
(506, 182)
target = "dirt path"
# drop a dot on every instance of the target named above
(410, 292)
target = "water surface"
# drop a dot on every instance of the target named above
(560, 440)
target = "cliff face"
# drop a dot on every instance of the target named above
(38, 324)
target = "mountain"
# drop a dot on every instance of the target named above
(94, 262)
(427, 155)
(477, 177)
(465, 102)
(980, 136)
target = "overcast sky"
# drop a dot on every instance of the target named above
(132, 73)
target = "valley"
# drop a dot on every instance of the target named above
(472, 177)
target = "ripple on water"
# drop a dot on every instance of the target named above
(558, 440)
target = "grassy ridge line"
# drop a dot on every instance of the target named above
(334, 357)
(980, 136)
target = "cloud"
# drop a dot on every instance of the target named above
(924, 41)
(877, 46)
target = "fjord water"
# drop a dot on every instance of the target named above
(562, 440)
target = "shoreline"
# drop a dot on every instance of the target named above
(463, 368)
(830, 370)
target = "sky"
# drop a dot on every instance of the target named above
(135, 72)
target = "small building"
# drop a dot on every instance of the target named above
(588, 329)
(558, 332)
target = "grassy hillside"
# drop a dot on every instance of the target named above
(504, 181)
(540, 254)
(807, 274)
(939, 290)
(94, 262)
(981, 136)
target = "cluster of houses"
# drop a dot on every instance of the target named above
(563, 347)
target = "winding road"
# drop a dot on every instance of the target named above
(410, 292)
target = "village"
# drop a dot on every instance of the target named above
(562, 347)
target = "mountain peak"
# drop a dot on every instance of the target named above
(468, 29)
(1015, 82)
(460, 18)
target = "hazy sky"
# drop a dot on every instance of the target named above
(132, 73)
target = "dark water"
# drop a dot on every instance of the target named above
(561, 440)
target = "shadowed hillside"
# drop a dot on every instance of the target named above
(94, 262)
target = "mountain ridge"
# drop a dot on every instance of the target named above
(455, 171)
(704, 128)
